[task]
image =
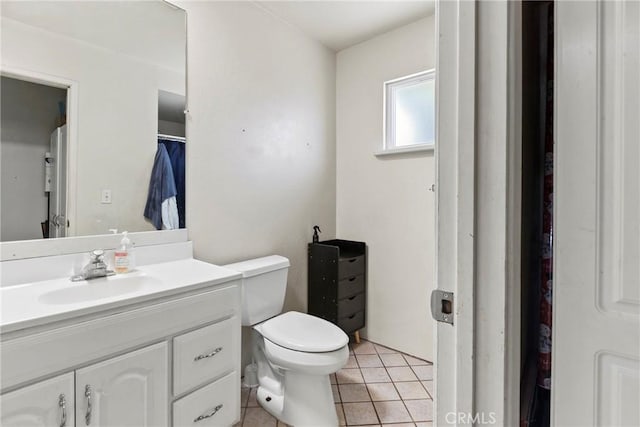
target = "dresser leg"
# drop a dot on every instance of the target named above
(357, 336)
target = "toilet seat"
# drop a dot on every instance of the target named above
(303, 332)
(324, 363)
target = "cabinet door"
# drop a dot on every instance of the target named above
(129, 390)
(47, 403)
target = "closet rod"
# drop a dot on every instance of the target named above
(172, 138)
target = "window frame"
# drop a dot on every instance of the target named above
(388, 113)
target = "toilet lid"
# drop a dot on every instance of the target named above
(303, 332)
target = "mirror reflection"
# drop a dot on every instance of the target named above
(92, 134)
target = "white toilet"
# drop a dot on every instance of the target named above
(295, 352)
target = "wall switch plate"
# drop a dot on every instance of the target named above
(106, 197)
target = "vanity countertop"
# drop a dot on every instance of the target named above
(38, 303)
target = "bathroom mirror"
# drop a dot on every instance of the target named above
(89, 92)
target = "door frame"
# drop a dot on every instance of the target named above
(478, 211)
(71, 87)
(455, 206)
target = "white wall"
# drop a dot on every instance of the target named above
(385, 200)
(118, 104)
(261, 130)
(29, 113)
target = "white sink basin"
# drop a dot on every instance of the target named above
(45, 302)
(97, 289)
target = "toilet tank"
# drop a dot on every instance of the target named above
(264, 282)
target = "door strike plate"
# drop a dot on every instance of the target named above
(442, 306)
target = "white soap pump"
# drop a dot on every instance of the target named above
(123, 256)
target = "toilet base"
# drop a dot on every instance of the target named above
(307, 401)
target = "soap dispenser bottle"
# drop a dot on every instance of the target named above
(123, 256)
(316, 238)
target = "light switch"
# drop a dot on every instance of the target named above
(106, 197)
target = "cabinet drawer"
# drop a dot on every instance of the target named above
(348, 267)
(214, 405)
(352, 323)
(203, 354)
(348, 306)
(351, 286)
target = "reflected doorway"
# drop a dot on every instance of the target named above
(33, 153)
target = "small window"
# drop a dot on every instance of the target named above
(409, 113)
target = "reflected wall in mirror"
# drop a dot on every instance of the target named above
(90, 91)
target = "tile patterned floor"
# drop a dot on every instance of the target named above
(377, 387)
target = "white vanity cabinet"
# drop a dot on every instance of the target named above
(172, 360)
(44, 404)
(129, 390)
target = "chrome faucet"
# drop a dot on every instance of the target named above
(95, 269)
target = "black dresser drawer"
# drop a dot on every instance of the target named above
(351, 286)
(337, 282)
(352, 323)
(348, 306)
(349, 267)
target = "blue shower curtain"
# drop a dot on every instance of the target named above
(176, 151)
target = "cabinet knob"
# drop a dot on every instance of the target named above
(206, 356)
(209, 415)
(87, 395)
(62, 403)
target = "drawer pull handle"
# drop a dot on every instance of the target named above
(62, 403)
(352, 316)
(209, 415)
(353, 259)
(87, 394)
(353, 297)
(206, 356)
(351, 279)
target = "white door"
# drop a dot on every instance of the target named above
(127, 391)
(47, 403)
(596, 296)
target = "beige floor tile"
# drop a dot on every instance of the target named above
(354, 393)
(423, 373)
(251, 401)
(382, 391)
(401, 373)
(340, 413)
(411, 390)
(420, 410)
(392, 412)
(429, 386)
(332, 378)
(369, 361)
(375, 375)
(349, 376)
(351, 363)
(384, 350)
(336, 395)
(399, 425)
(258, 417)
(359, 413)
(415, 361)
(393, 359)
(365, 347)
(281, 424)
(244, 396)
(425, 424)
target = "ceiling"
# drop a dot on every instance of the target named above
(152, 31)
(336, 24)
(340, 24)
